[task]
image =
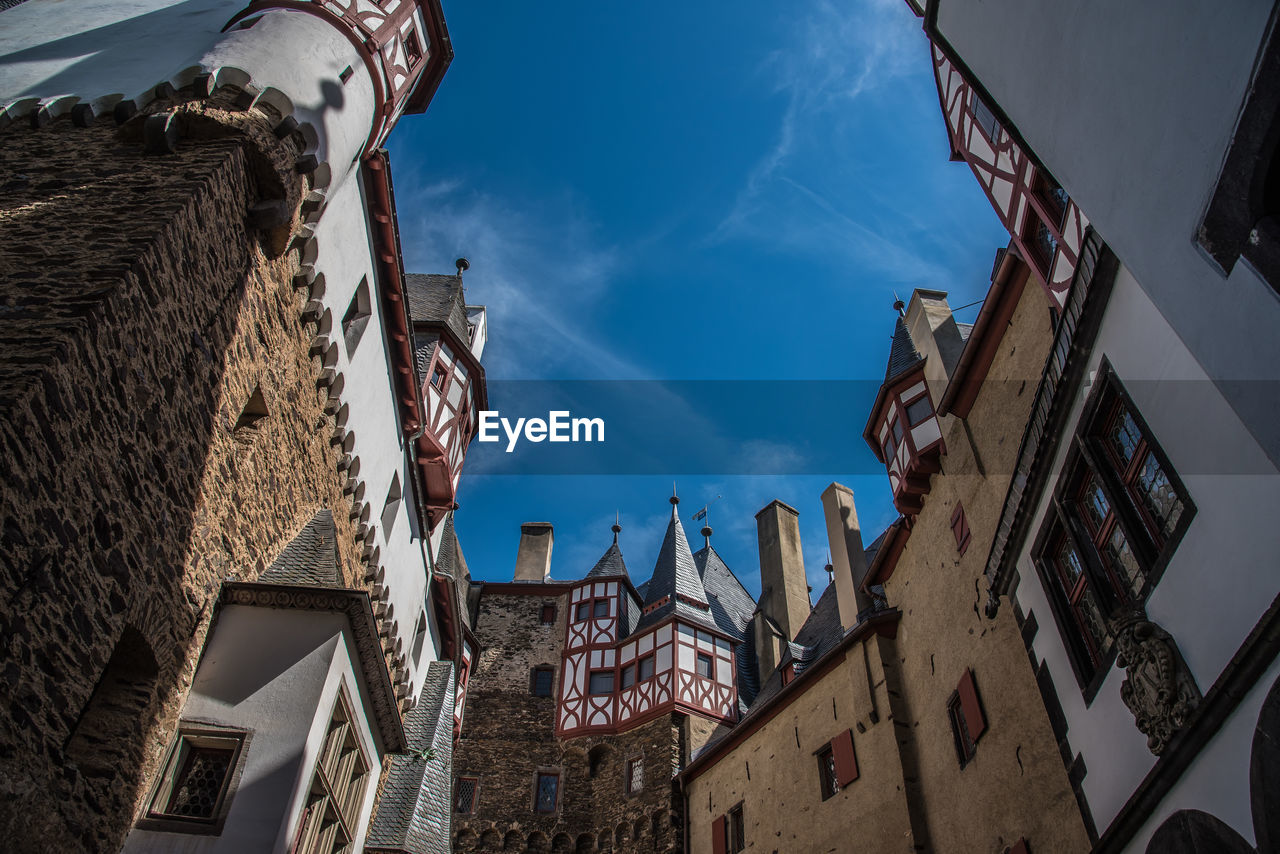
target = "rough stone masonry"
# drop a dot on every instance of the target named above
(144, 299)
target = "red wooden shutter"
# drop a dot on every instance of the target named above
(974, 719)
(718, 831)
(846, 761)
(1019, 847)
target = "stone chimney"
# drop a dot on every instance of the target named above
(533, 559)
(784, 592)
(844, 535)
(935, 333)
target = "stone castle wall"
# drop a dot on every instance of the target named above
(944, 631)
(509, 736)
(139, 311)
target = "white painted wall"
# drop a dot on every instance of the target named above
(277, 674)
(1221, 578)
(1132, 108)
(1218, 782)
(98, 48)
(344, 257)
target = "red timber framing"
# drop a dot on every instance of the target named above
(429, 457)
(1011, 275)
(404, 44)
(1047, 226)
(911, 453)
(457, 643)
(443, 445)
(883, 623)
(653, 672)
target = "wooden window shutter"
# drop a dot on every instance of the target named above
(960, 527)
(846, 761)
(1019, 847)
(718, 832)
(974, 719)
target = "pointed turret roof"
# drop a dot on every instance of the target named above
(610, 565)
(676, 583)
(903, 354)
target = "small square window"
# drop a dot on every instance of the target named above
(635, 776)
(438, 377)
(827, 772)
(547, 793)
(628, 676)
(548, 614)
(196, 779)
(601, 608)
(601, 682)
(464, 795)
(412, 48)
(646, 668)
(898, 432)
(582, 612)
(737, 830)
(706, 667)
(986, 119)
(919, 410)
(542, 681)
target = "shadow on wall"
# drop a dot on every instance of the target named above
(131, 52)
(1194, 832)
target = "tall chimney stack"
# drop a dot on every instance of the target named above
(784, 594)
(533, 559)
(844, 535)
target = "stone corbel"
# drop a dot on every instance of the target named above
(1158, 688)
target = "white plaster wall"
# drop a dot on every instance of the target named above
(275, 673)
(1132, 107)
(98, 47)
(1221, 578)
(1218, 782)
(344, 256)
(303, 56)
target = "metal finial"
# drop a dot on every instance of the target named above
(617, 526)
(463, 265)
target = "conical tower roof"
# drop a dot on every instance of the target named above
(610, 565)
(676, 587)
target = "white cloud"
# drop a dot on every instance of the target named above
(832, 57)
(539, 270)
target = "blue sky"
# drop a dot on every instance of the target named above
(677, 191)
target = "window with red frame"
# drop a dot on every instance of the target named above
(1113, 524)
(968, 720)
(548, 615)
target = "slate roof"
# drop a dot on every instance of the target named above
(821, 632)
(903, 354)
(675, 575)
(310, 558)
(435, 298)
(450, 562)
(610, 565)
(732, 608)
(415, 807)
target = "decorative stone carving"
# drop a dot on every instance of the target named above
(1158, 688)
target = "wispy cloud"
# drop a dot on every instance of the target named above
(832, 57)
(540, 270)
